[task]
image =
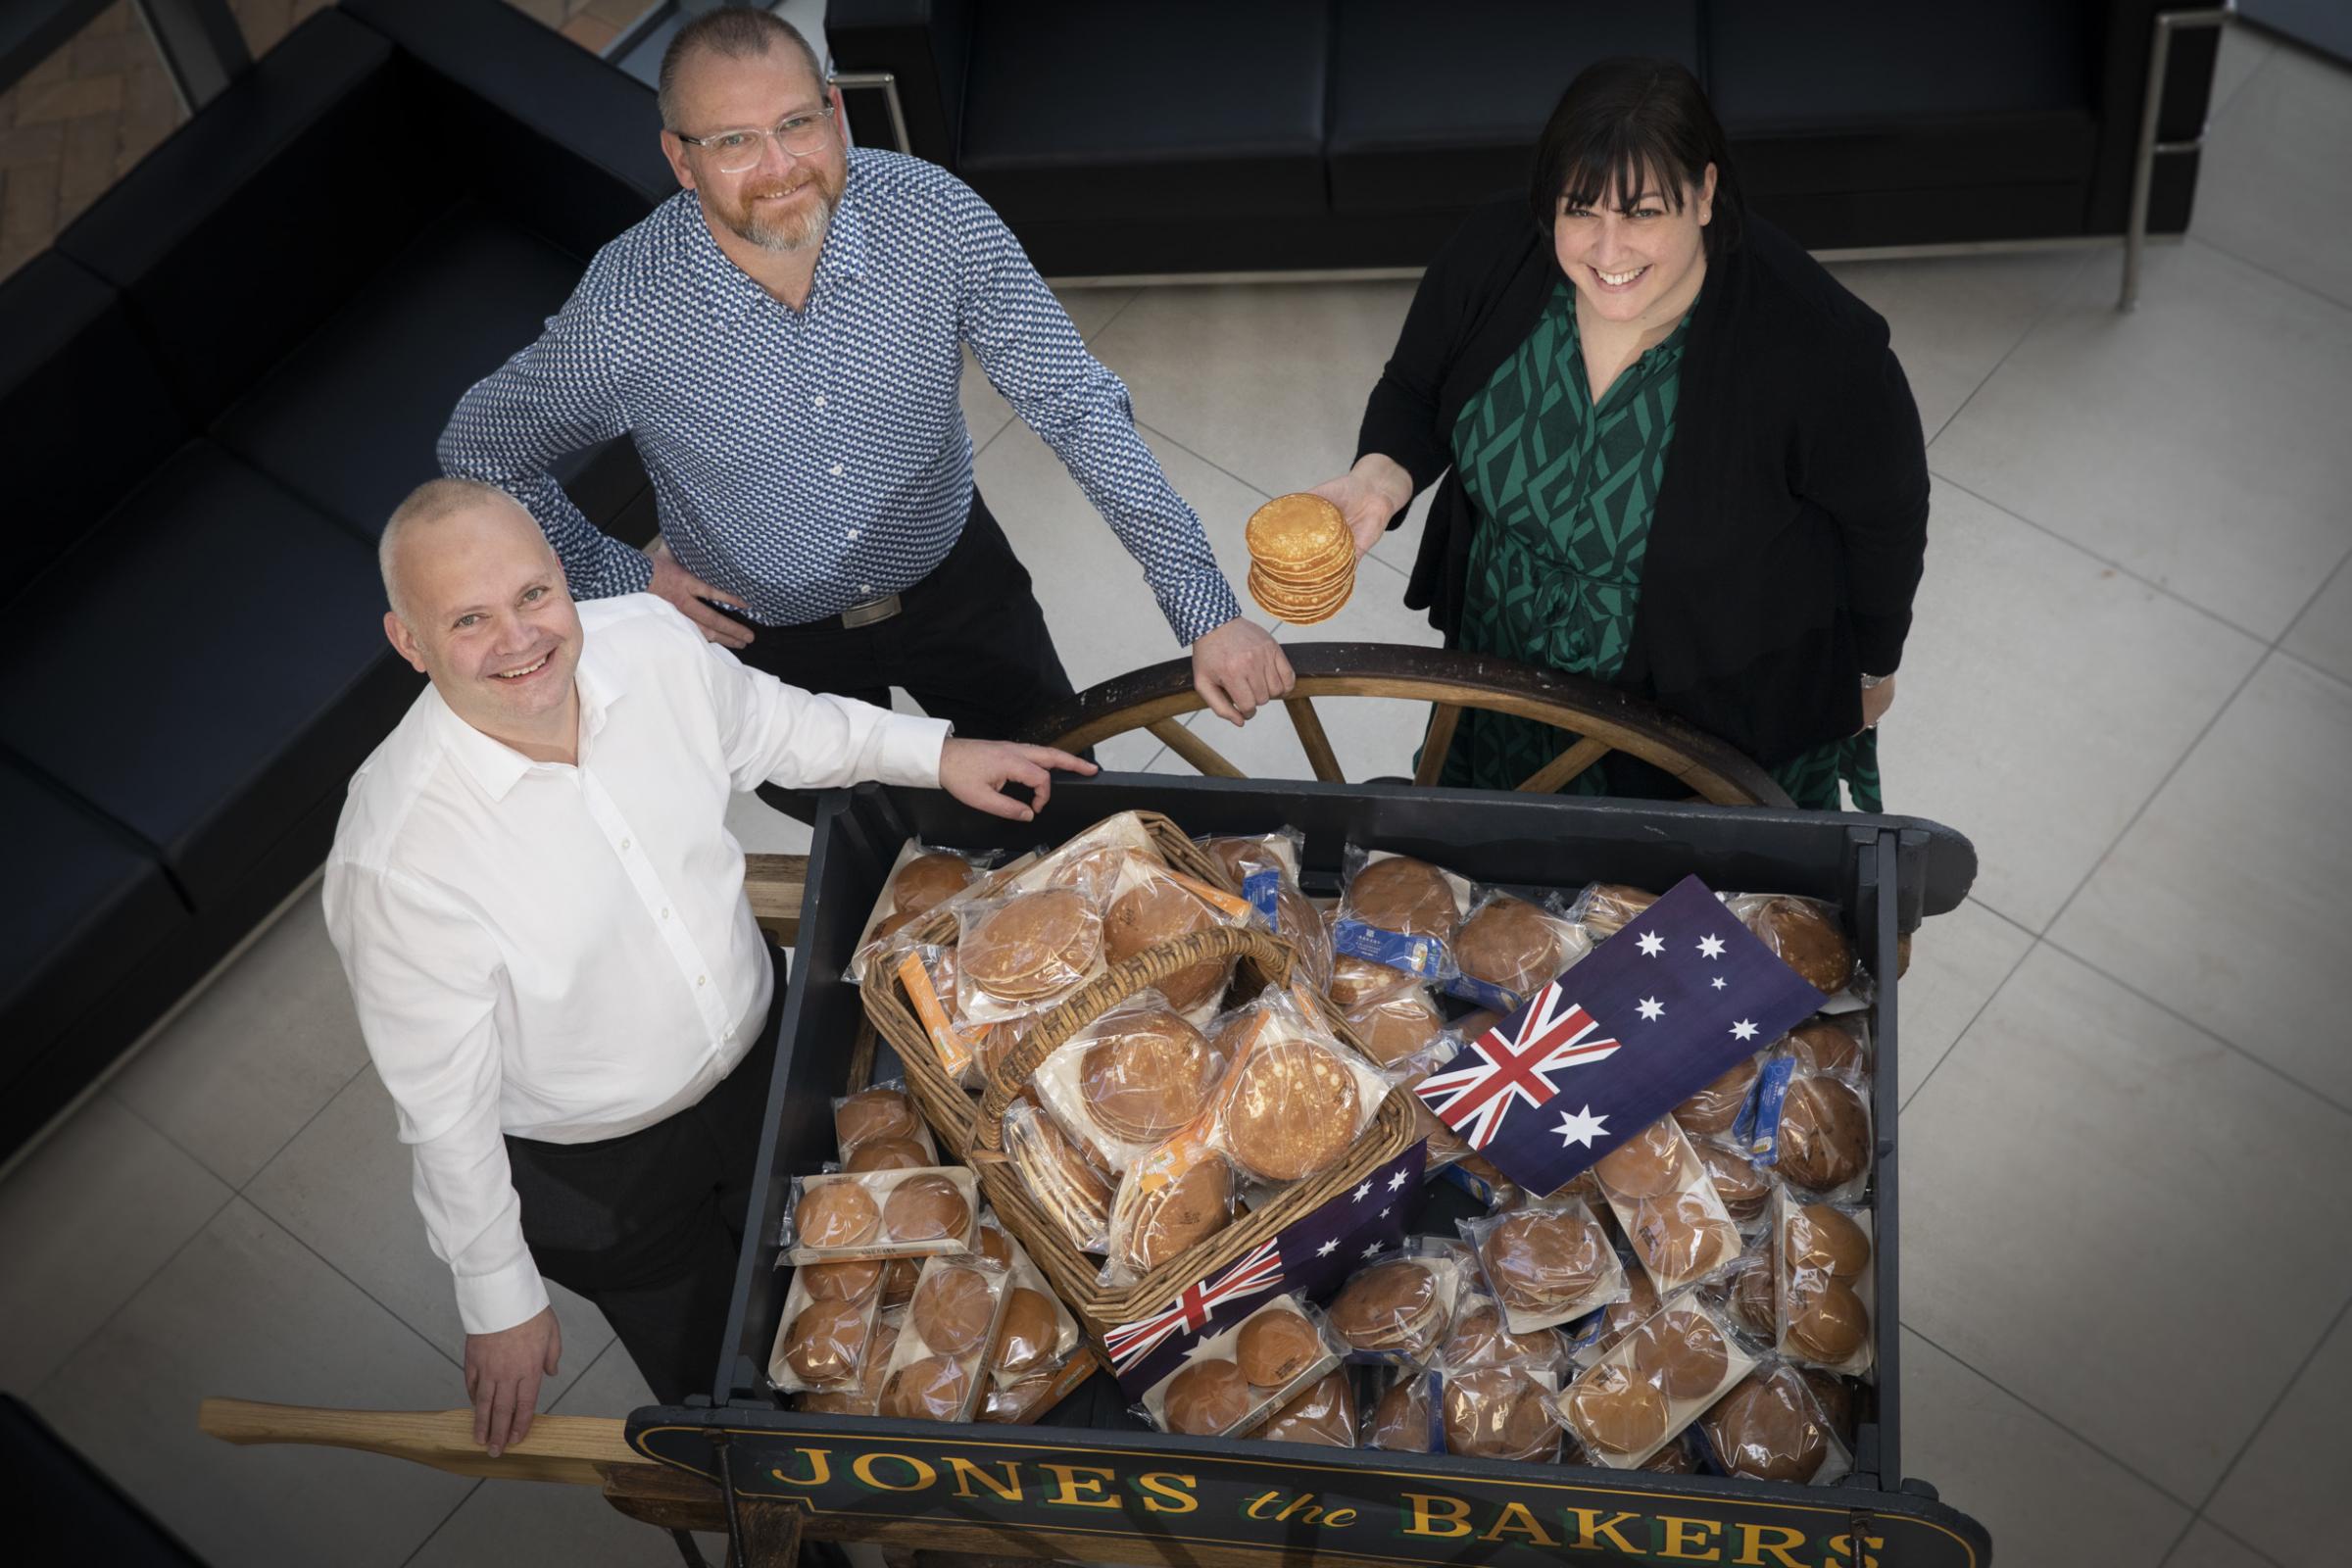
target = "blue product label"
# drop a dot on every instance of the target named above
(1423, 957)
(1702, 1449)
(1477, 1187)
(1485, 993)
(1259, 887)
(1759, 1124)
(1436, 1389)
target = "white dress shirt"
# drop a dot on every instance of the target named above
(565, 952)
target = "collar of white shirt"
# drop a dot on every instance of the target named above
(494, 765)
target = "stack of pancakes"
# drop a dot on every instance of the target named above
(1302, 558)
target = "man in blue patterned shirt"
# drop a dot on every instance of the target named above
(783, 340)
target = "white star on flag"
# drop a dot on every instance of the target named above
(1710, 947)
(1328, 1248)
(1743, 1030)
(1717, 982)
(1383, 1214)
(1373, 1251)
(1582, 1128)
(1397, 1182)
(1653, 1010)
(1361, 1193)
(1651, 944)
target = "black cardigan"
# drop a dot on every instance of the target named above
(1792, 520)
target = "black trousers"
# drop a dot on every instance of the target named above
(649, 1226)
(969, 644)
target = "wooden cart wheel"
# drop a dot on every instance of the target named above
(1595, 719)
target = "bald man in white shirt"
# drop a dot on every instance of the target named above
(542, 916)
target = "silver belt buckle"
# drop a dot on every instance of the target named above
(868, 614)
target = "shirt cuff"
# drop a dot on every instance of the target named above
(1879, 641)
(490, 1302)
(910, 749)
(632, 570)
(1202, 608)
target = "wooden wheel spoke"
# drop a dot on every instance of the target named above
(1442, 719)
(1317, 745)
(1563, 768)
(1205, 758)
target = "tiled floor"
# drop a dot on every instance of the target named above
(2129, 1104)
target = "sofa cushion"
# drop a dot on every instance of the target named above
(1855, 95)
(252, 222)
(1149, 109)
(86, 904)
(84, 413)
(349, 420)
(1442, 108)
(202, 668)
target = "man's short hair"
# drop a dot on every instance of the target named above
(735, 31)
(430, 503)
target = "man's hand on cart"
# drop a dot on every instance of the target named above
(502, 1377)
(976, 773)
(1238, 669)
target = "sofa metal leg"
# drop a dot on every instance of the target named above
(2143, 161)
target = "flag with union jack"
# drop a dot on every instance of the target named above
(1308, 1257)
(1656, 1013)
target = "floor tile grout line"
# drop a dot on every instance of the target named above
(2270, 52)
(2275, 276)
(2272, 1409)
(2058, 298)
(1134, 293)
(2207, 1030)
(2082, 549)
(336, 1270)
(123, 1305)
(2186, 1527)
(2325, 674)
(1961, 1038)
(1993, 1382)
(2190, 750)
(149, 1122)
(443, 1522)
(2234, 1538)
(1160, 434)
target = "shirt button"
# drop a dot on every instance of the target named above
(664, 914)
(817, 402)
(866, 587)
(625, 843)
(700, 978)
(835, 470)
(853, 536)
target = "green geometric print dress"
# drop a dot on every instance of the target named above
(1565, 492)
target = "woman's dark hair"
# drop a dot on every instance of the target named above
(1622, 120)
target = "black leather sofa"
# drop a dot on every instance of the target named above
(1208, 135)
(214, 388)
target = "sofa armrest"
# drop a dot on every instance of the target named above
(547, 130)
(2120, 93)
(927, 45)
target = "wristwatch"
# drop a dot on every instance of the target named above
(1869, 682)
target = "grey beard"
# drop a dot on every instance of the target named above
(805, 233)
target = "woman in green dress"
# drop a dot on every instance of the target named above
(1673, 454)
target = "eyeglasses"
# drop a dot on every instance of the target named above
(734, 151)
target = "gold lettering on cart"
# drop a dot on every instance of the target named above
(966, 1472)
(1593, 1534)
(1517, 1521)
(1687, 1539)
(1753, 1546)
(1303, 1508)
(820, 1469)
(1436, 1516)
(1162, 1493)
(925, 1478)
(1072, 1493)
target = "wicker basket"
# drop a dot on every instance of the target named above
(1075, 1274)
(946, 1103)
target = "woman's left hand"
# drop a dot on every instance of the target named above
(1875, 699)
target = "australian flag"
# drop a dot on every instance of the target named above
(1309, 1257)
(1659, 1011)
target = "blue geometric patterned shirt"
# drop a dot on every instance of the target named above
(810, 460)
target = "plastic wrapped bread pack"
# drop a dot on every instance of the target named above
(1824, 1294)
(1629, 1403)
(937, 1368)
(1401, 912)
(881, 1214)
(1235, 1378)
(1548, 1263)
(1510, 947)
(827, 1329)
(922, 878)
(1670, 1212)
